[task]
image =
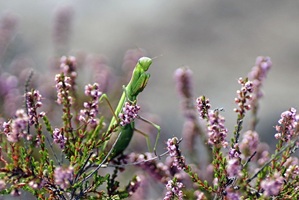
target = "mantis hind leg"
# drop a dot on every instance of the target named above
(148, 141)
(147, 137)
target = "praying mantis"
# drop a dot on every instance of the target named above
(136, 85)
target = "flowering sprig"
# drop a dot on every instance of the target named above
(63, 86)
(249, 143)
(286, 130)
(203, 107)
(244, 97)
(68, 66)
(63, 176)
(243, 100)
(91, 108)
(174, 189)
(257, 76)
(272, 186)
(59, 138)
(16, 128)
(217, 132)
(33, 101)
(175, 153)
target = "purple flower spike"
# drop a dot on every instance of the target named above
(258, 74)
(63, 87)
(59, 138)
(68, 65)
(233, 167)
(63, 177)
(273, 185)
(175, 153)
(203, 106)
(33, 101)
(216, 129)
(91, 108)
(249, 143)
(16, 128)
(174, 189)
(244, 96)
(288, 122)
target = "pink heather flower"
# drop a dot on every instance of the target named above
(233, 196)
(292, 171)
(63, 177)
(130, 112)
(233, 167)
(183, 79)
(59, 138)
(203, 106)
(17, 127)
(272, 185)
(244, 96)
(174, 189)
(292, 166)
(33, 101)
(175, 153)
(258, 75)
(288, 122)
(249, 143)
(234, 153)
(199, 195)
(63, 87)
(291, 161)
(68, 66)
(133, 185)
(264, 157)
(158, 171)
(91, 110)
(216, 130)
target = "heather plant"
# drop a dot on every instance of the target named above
(239, 168)
(61, 141)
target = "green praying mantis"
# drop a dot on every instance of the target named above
(135, 86)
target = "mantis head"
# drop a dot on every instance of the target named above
(145, 63)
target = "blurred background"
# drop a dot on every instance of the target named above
(218, 40)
